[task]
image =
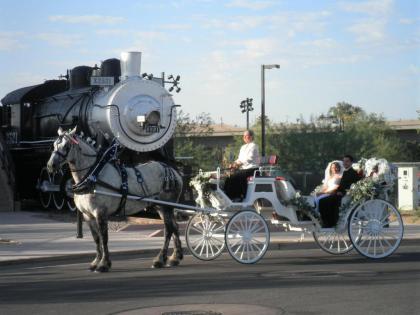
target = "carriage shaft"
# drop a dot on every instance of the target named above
(156, 201)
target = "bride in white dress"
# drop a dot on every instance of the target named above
(331, 182)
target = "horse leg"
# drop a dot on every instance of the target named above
(95, 234)
(105, 263)
(162, 257)
(177, 254)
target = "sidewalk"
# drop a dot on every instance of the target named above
(34, 236)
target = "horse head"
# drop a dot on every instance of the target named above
(67, 149)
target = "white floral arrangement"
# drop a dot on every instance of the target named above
(200, 179)
(301, 204)
(317, 190)
(359, 166)
(379, 182)
(200, 183)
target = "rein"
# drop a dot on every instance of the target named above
(64, 156)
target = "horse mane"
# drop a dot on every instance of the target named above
(90, 143)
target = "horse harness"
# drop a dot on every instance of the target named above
(87, 184)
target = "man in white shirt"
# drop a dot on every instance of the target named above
(248, 155)
(244, 166)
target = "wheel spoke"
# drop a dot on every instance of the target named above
(239, 247)
(374, 245)
(345, 242)
(380, 244)
(218, 246)
(237, 242)
(222, 227)
(258, 241)
(197, 240)
(386, 241)
(338, 242)
(257, 249)
(362, 240)
(242, 224)
(207, 248)
(370, 242)
(237, 227)
(211, 247)
(197, 230)
(202, 243)
(257, 229)
(255, 224)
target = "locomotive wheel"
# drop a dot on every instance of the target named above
(375, 228)
(44, 196)
(69, 195)
(247, 237)
(332, 241)
(205, 236)
(58, 197)
(71, 205)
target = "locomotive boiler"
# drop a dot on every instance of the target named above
(106, 102)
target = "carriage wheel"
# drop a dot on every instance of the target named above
(69, 195)
(44, 196)
(58, 197)
(247, 237)
(333, 241)
(376, 228)
(205, 236)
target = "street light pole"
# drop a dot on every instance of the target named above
(263, 67)
(246, 106)
(262, 111)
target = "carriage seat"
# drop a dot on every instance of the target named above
(266, 166)
(271, 160)
(284, 189)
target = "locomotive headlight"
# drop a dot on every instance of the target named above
(141, 119)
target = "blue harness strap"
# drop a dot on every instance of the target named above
(87, 184)
(169, 179)
(124, 185)
(141, 181)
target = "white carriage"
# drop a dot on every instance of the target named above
(371, 225)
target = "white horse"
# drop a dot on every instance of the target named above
(80, 155)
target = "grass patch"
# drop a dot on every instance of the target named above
(411, 217)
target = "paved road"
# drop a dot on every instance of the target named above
(288, 281)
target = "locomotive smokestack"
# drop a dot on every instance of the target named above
(130, 64)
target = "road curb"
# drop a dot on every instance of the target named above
(274, 245)
(145, 252)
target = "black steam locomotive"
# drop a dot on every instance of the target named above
(106, 102)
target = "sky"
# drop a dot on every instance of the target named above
(365, 53)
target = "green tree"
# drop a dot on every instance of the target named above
(187, 145)
(307, 147)
(345, 112)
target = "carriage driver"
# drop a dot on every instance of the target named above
(244, 166)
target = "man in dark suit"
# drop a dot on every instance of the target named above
(329, 206)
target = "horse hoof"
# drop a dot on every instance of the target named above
(157, 264)
(92, 267)
(173, 262)
(102, 269)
